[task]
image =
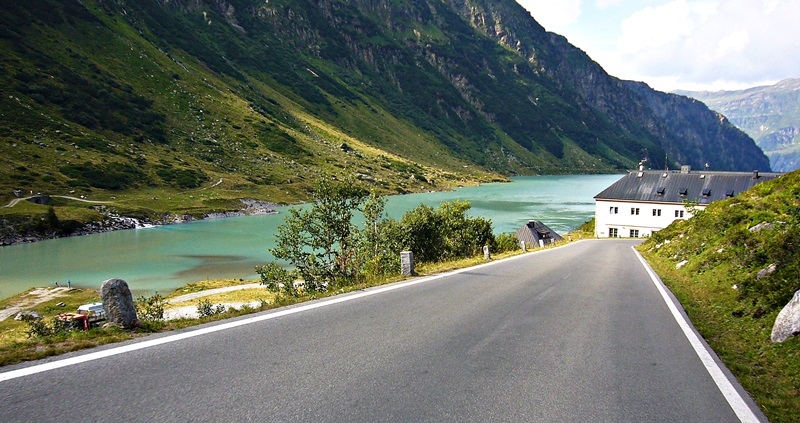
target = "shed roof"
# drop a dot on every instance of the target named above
(677, 187)
(534, 230)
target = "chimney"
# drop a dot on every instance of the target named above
(755, 174)
(686, 169)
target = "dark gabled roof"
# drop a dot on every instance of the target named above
(676, 186)
(534, 230)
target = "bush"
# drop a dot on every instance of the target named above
(151, 308)
(182, 178)
(41, 329)
(321, 242)
(445, 233)
(506, 242)
(38, 328)
(110, 176)
(327, 250)
(205, 308)
(277, 279)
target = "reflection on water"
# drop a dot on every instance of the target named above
(166, 257)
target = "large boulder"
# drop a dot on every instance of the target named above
(788, 322)
(118, 303)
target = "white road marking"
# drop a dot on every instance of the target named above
(735, 400)
(39, 368)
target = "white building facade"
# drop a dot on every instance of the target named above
(646, 201)
(630, 219)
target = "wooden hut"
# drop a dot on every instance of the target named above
(536, 234)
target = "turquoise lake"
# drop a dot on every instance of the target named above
(164, 258)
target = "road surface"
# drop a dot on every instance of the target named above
(577, 333)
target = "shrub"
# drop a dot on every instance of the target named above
(151, 308)
(41, 328)
(277, 279)
(327, 250)
(205, 308)
(506, 242)
(115, 176)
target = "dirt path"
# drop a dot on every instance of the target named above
(32, 299)
(14, 202)
(190, 312)
(195, 295)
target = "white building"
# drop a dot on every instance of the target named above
(646, 201)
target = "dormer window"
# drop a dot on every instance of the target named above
(706, 192)
(660, 191)
(729, 193)
(683, 191)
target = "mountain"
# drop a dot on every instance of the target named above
(769, 114)
(184, 105)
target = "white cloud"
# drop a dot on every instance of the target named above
(605, 4)
(655, 27)
(728, 42)
(553, 15)
(733, 43)
(689, 44)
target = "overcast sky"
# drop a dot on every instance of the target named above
(682, 44)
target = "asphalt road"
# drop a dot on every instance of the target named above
(578, 333)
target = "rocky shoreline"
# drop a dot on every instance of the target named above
(113, 222)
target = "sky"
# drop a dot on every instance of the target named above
(682, 44)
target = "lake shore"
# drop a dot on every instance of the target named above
(166, 257)
(10, 236)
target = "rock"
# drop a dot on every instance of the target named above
(681, 264)
(788, 322)
(768, 271)
(760, 227)
(118, 303)
(27, 316)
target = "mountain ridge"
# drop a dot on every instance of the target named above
(770, 114)
(111, 97)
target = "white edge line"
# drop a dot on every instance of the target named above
(39, 368)
(725, 386)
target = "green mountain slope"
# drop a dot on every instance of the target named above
(183, 105)
(769, 114)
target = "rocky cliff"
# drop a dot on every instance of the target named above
(769, 114)
(265, 97)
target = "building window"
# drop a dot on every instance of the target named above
(678, 213)
(612, 232)
(635, 211)
(656, 212)
(634, 233)
(613, 210)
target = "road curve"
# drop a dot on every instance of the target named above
(577, 333)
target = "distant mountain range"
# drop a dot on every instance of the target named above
(769, 114)
(260, 98)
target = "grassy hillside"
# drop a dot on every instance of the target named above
(728, 293)
(188, 105)
(93, 103)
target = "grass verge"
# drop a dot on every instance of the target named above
(769, 372)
